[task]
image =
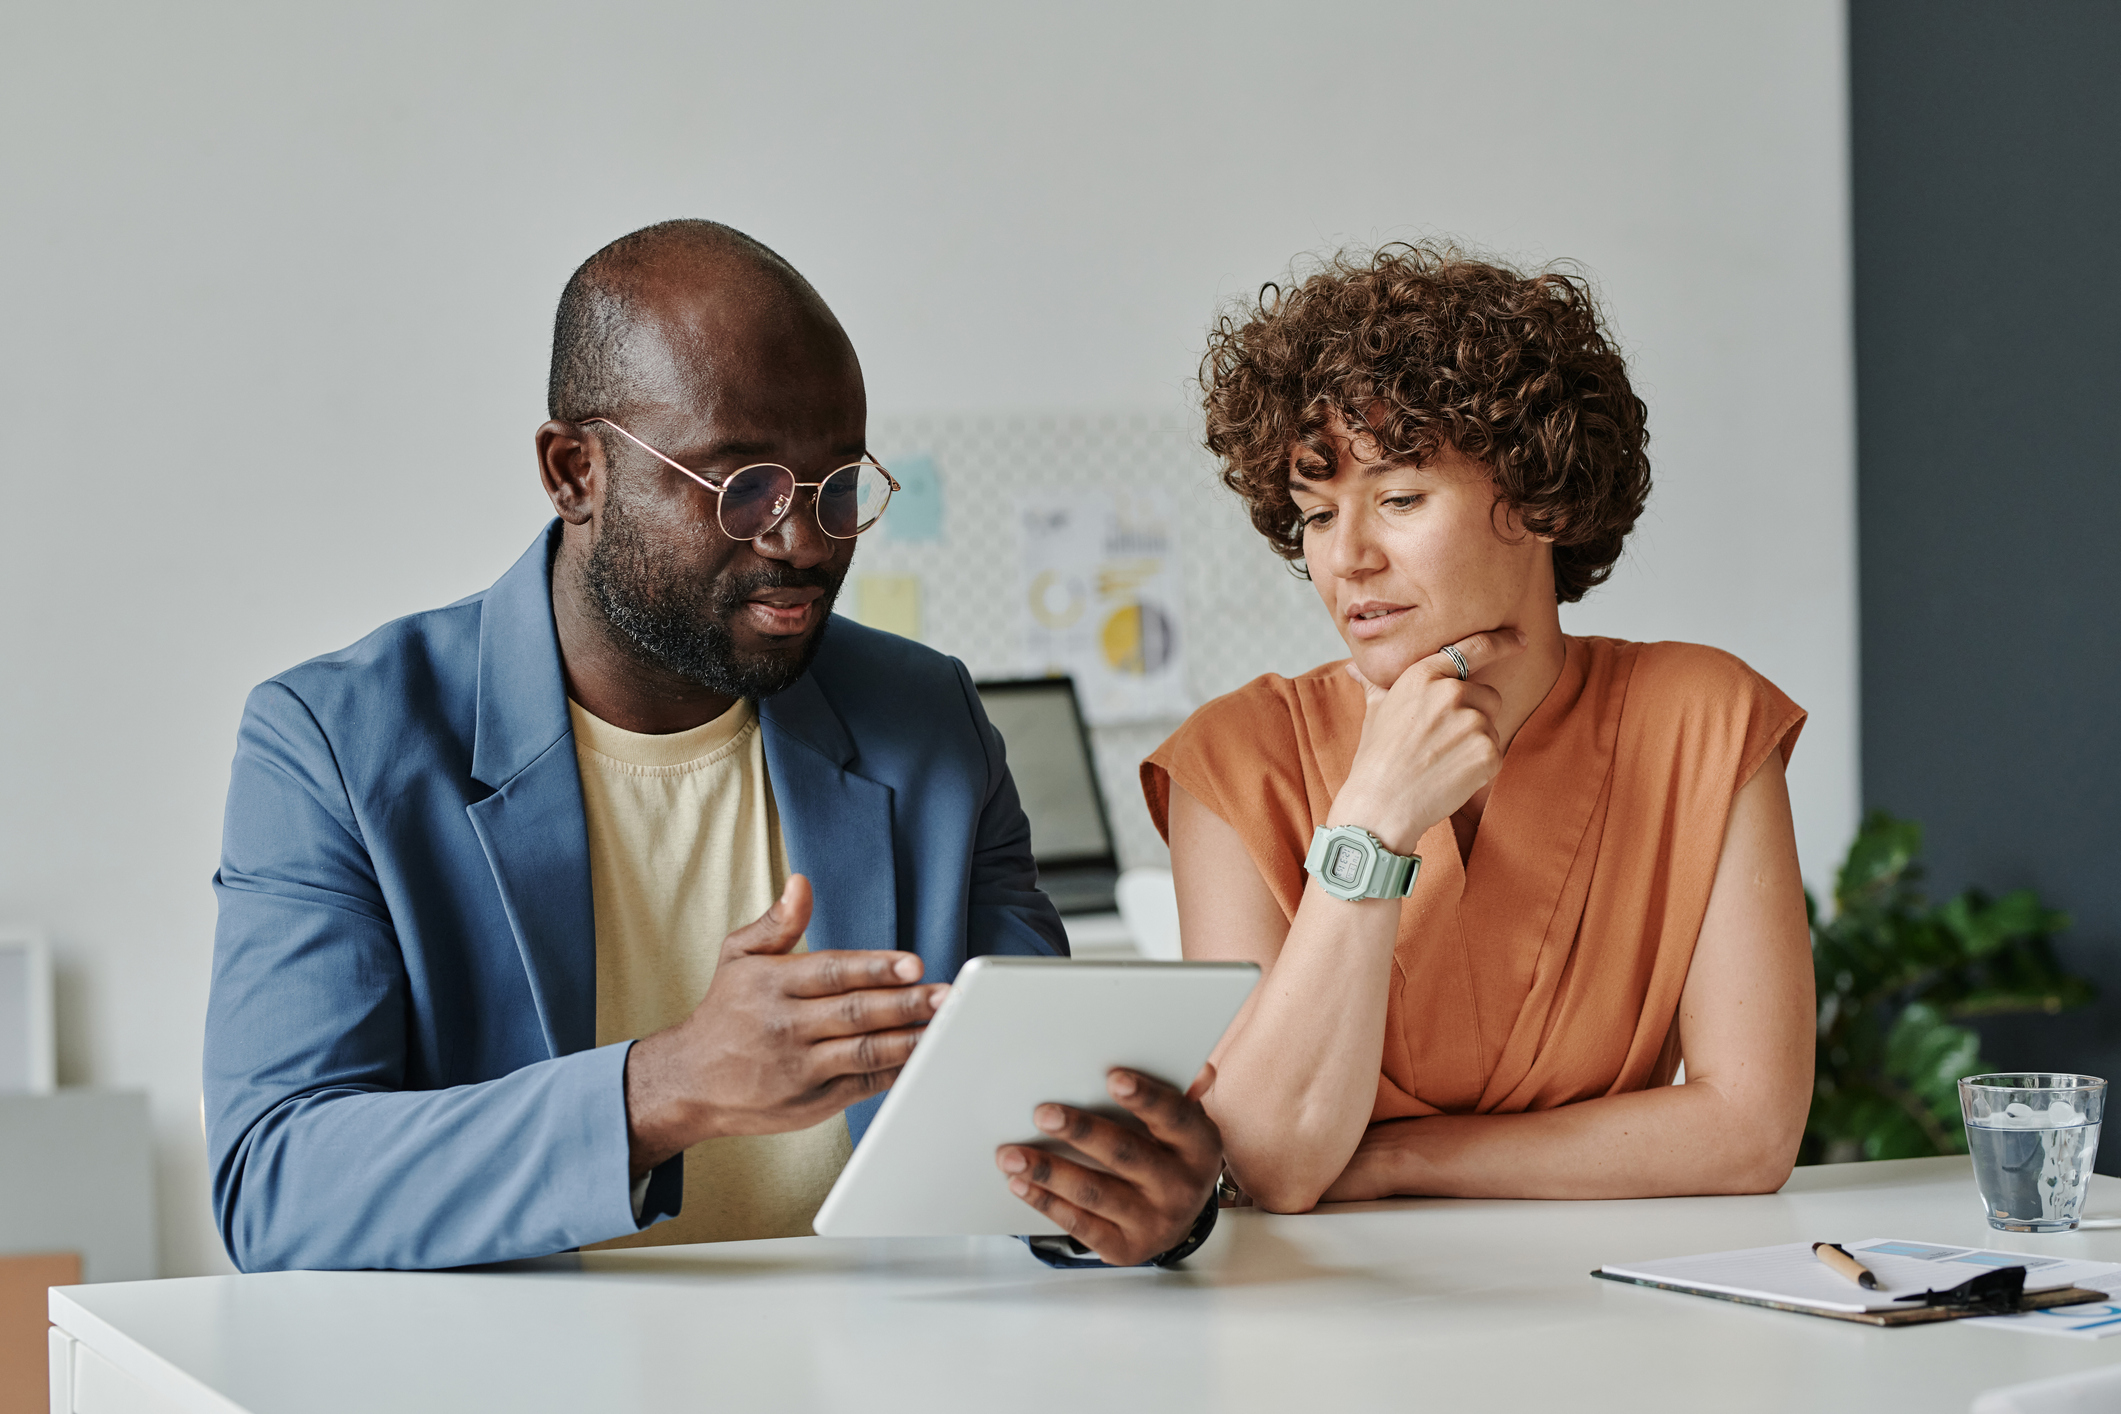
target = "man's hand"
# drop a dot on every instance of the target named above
(779, 1042)
(1158, 1181)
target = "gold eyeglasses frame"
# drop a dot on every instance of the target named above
(783, 500)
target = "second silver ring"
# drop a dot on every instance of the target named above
(1458, 661)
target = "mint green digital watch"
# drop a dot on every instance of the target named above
(1354, 864)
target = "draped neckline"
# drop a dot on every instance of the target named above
(1505, 913)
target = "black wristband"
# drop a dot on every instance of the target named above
(1202, 1226)
(1059, 1251)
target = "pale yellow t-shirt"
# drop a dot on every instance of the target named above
(684, 848)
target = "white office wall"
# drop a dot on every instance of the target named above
(278, 282)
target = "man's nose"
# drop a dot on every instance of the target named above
(798, 540)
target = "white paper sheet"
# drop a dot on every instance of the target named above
(2096, 1321)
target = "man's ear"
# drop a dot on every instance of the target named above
(572, 469)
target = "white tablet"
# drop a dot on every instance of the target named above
(1014, 1033)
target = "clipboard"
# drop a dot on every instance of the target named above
(1915, 1283)
(1913, 1316)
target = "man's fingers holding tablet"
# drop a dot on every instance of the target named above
(1098, 1234)
(1177, 1119)
(1174, 1164)
(1103, 1211)
(1155, 1181)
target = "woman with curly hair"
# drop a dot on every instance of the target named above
(1500, 881)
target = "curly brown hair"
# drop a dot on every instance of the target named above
(1428, 347)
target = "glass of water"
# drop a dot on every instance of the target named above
(2034, 1137)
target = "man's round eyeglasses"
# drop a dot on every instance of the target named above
(752, 500)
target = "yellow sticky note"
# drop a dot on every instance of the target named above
(891, 602)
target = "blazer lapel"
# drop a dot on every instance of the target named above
(837, 825)
(532, 827)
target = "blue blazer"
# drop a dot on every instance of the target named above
(401, 1068)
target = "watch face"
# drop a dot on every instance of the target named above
(1346, 865)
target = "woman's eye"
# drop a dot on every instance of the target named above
(1404, 503)
(1316, 520)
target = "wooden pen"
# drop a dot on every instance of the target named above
(1837, 1257)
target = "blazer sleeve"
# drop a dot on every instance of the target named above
(320, 1157)
(1006, 912)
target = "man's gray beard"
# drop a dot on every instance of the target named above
(681, 625)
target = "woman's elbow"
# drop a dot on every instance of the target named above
(1763, 1173)
(1278, 1188)
(1762, 1160)
(1287, 1197)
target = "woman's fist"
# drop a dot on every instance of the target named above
(1428, 742)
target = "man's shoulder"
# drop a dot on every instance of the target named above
(428, 663)
(419, 658)
(396, 706)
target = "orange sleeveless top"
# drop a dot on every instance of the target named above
(1547, 969)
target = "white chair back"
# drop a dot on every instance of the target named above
(1149, 904)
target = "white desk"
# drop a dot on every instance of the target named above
(1406, 1305)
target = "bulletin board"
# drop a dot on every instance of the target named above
(955, 562)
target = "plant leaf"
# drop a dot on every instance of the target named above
(1883, 854)
(1894, 975)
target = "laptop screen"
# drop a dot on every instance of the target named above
(1049, 756)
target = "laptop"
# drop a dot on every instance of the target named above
(1041, 724)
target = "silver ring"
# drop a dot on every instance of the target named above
(1458, 661)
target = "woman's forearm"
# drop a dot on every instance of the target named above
(1297, 1077)
(1665, 1142)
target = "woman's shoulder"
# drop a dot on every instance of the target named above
(1252, 742)
(1681, 674)
(1682, 690)
(1272, 698)
(1255, 720)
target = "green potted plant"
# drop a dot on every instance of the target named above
(1896, 978)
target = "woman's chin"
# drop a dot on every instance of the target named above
(1381, 666)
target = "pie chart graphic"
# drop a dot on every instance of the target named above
(1055, 602)
(1138, 638)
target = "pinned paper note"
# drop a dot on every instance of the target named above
(891, 602)
(916, 509)
(1101, 594)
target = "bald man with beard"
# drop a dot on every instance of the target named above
(602, 907)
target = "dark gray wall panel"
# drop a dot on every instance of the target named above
(1987, 208)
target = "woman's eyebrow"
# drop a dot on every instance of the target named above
(1300, 482)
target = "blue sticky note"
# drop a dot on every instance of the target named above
(916, 509)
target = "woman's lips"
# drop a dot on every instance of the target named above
(1371, 620)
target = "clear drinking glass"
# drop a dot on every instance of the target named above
(2033, 1137)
